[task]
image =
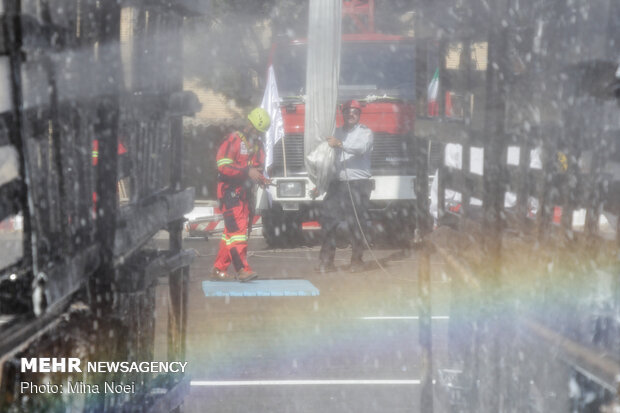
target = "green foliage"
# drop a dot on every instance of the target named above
(228, 50)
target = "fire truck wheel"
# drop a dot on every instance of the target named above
(398, 226)
(271, 228)
(281, 229)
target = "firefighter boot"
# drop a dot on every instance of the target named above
(219, 275)
(246, 275)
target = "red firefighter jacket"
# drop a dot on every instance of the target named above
(234, 159)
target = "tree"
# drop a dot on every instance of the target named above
(228, 50)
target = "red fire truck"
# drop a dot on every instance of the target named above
(379, 71)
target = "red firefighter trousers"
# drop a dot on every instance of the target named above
(234, 242)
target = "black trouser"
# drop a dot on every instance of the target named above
(338, 217)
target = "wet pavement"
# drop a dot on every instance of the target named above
(354, 347)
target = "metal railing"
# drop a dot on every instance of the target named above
(527, 206)
(92, 127)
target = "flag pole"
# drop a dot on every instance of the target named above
(272, 104)
(284, 155)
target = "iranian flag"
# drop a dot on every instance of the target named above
(432, 93)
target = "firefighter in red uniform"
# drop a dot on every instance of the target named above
(240, 163)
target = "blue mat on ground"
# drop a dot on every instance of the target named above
(260, 288)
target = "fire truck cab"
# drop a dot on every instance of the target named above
(379, 71)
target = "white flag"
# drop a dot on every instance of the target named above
(271, 103)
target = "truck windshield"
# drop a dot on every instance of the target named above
(366, 70)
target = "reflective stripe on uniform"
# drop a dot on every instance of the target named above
(234, 239)
(224, 161)
(237, 238)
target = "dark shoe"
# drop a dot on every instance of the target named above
(357, 266)
(325, 268)
(219, 275)
(246, 275)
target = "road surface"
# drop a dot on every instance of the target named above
(354, 347)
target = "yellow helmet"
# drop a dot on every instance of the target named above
(260, 119)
